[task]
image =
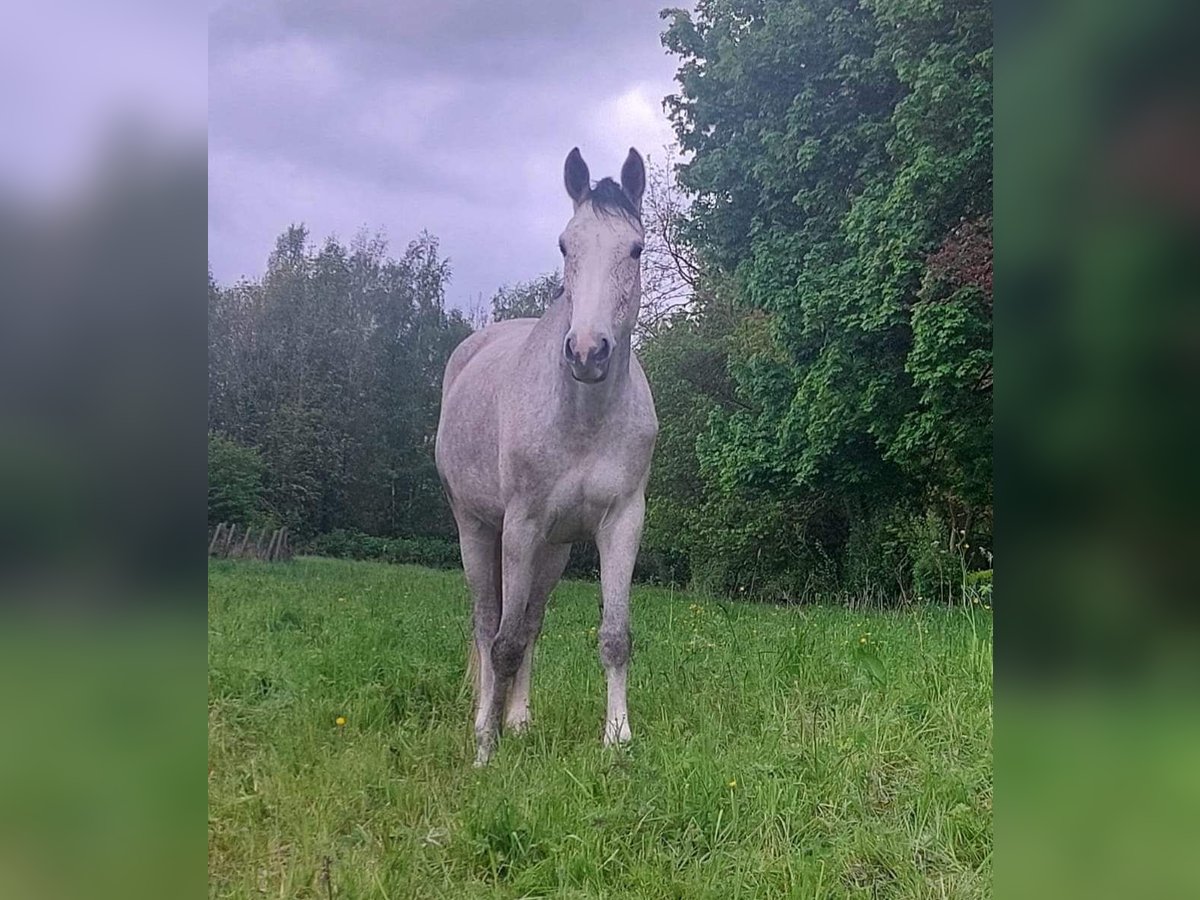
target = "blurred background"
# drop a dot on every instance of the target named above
(1098, 342)
(102, 448)
(102, 479)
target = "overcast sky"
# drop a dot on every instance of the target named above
(448, 115)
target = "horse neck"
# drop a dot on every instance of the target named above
(576, 402)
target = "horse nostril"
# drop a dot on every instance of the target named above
(601, 352)
(569, 348)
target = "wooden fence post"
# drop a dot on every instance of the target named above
(245, 541)
(212, 545)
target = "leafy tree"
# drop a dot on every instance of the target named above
(331, 366)
(235, 482)
(835, 146)
(526, 299)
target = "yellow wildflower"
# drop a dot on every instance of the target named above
(340, 721)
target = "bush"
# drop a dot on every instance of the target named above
(887, 557)
(751, 545)
(908, 555)
(442, 553)
(878, 559)
(978, 588)
(815, 551)
(235, 483)
(434, 552)
(650, 567)
(937, 573)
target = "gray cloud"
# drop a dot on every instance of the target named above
(451, 116)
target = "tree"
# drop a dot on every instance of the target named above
(526, 299)
(671, 270)
(235, 482)
(834, 147)
(331, 367)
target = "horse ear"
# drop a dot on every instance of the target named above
(633, 177)
(576, 177)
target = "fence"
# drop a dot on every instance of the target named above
(272, 546)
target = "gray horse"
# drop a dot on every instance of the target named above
(545, 438)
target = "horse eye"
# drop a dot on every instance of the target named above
(636, 251)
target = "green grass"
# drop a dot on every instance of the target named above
(775, 754)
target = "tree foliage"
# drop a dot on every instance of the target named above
(840, 165)
(235, 482)
(331, 367)
(526, 299)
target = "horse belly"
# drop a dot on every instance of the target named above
(466, 452)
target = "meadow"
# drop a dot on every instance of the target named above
(779, 751)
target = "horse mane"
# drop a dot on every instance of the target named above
(610, 198)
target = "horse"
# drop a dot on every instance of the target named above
(545, 436)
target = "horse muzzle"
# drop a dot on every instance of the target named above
(588, 356)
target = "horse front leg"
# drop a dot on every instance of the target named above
(617, 541)
(548, 568)
(480, 547)
(521, 550)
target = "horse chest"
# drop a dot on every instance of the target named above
(579, 499)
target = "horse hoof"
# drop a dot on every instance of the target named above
(616, 733)
(518, 724)
(483, 751)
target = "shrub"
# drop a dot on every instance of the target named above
(977, 587)
(878, 557)
(442, 553)
(749, 544)
(887, 557)
(235, 483)
(435, 552)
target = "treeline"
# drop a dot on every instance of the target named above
(324, 385)
(817, 328)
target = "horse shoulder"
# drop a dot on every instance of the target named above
(495, 334)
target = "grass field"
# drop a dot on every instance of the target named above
(778, 752)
